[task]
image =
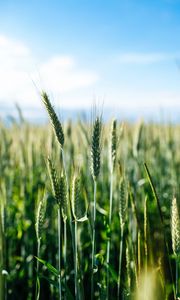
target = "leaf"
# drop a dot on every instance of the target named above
(112, 272)
(56, 285)
(99, 259)
(52, 282)
(82, 219)
(48, 266)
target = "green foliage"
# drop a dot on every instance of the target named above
(146, 229)
(51, 269)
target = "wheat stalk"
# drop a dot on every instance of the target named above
(95, 169)
(145, 234)
(122, 218)
(3, 283)
(58, 194)
(63, 199)
(113, 142)
(41, 209)
(75, 203)
(63, 196)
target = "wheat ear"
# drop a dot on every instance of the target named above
(95, 148)
(54, 182)
(54, 119)
(175, 228)
(175, 233)
(113, 144)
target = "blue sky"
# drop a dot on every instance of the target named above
(124, 52)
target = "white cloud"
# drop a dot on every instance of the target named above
(150, 99)
(12, 48)
(18, 70)
(62, 74)
(146, 58)
(68, 82)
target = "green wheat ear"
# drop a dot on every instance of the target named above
(54, 119)
(54, 181)
(113, 144)
(63, 196)
(41, 209)
(95, 148)
(78, 205)
(175, 227)
(122, 202)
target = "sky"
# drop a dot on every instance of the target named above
(124, 54)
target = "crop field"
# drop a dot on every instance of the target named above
(89, 209)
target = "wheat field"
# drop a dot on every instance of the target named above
(89, 209)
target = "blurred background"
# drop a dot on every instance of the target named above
(123, 55)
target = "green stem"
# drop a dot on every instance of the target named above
(2, 277)
(109, 240)
(68, 200)
(177, 279)
(59, 251)
(110, 202)
(93, 241)
(139, 254)
(64, 166)
(38, 253)
(37, 267)
(120, 264)
(65, 257)
(76, 263)
(145, 236)
(69, 217)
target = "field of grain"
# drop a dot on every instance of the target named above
(89, 210)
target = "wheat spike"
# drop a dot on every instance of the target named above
(41, 209)
(95, 149)
(113, 144)
(122, 202)
(63, 196)
(175, 227)
(137, 142)
(54, 181)
(54, 119)
(78, 205)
